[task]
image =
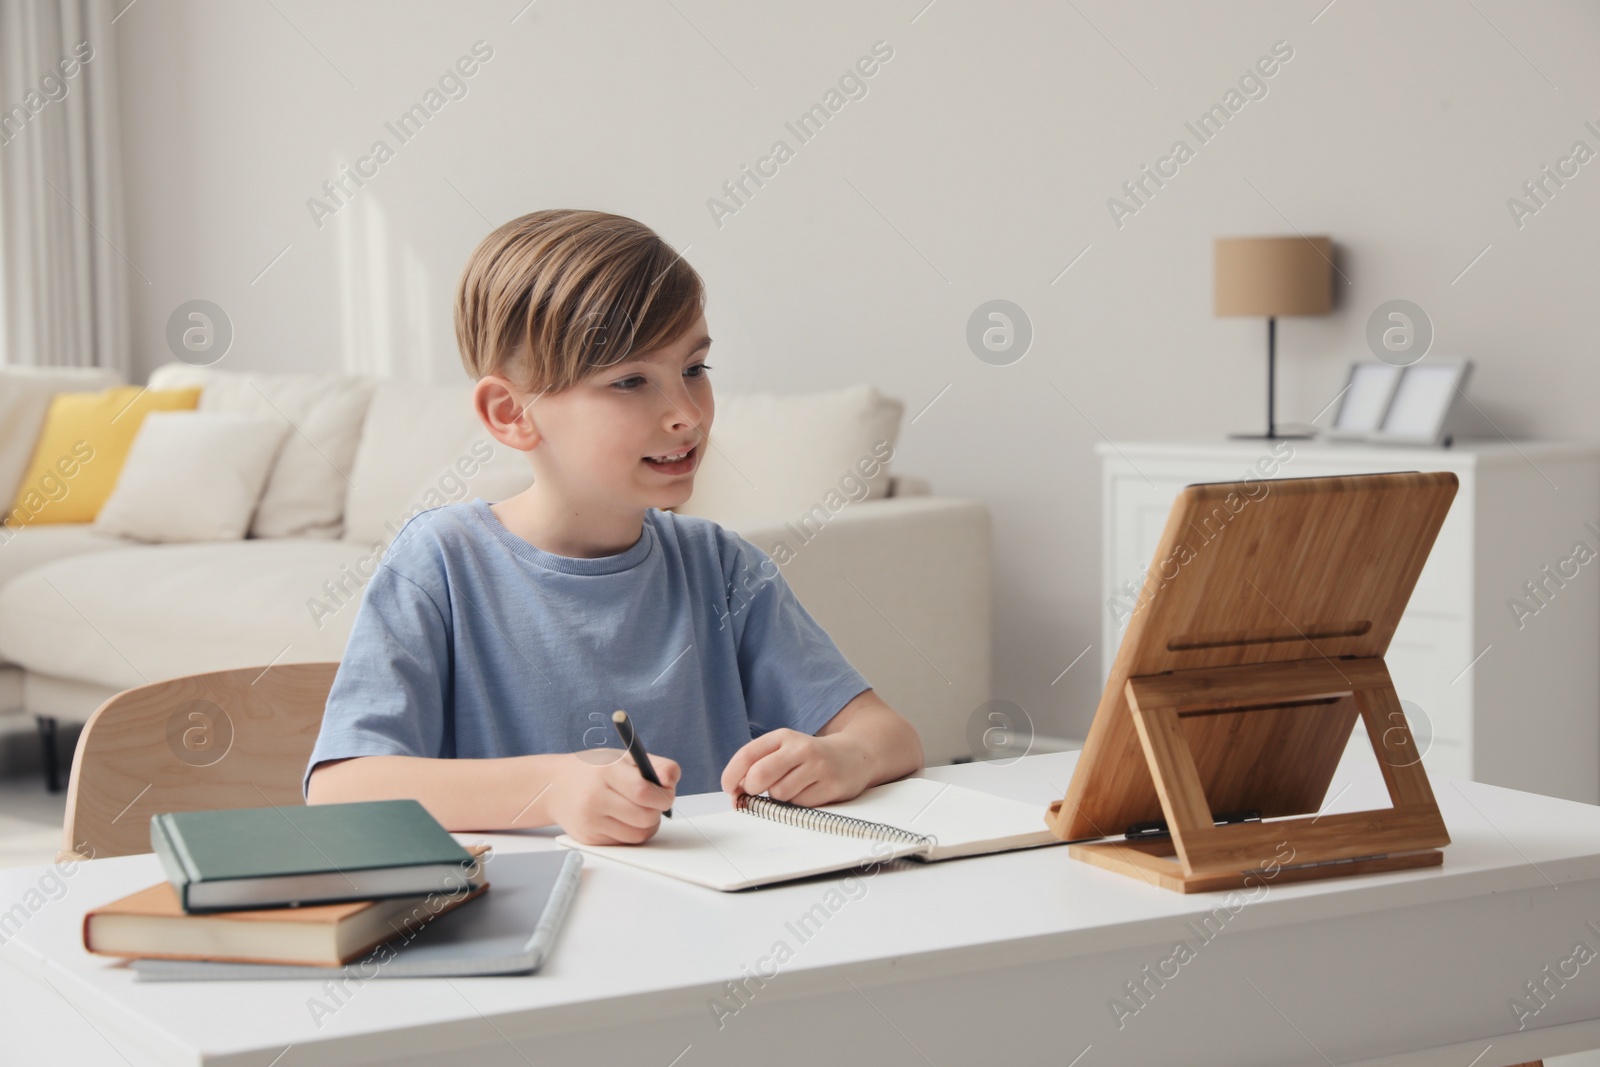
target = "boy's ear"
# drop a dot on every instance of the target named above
(506, 412)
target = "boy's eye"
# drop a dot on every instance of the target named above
(628, 384)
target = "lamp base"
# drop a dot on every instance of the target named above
(1270, 436)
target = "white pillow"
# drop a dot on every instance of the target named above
(775, 457)
(422, 447)
(305, 490)
(192, 476)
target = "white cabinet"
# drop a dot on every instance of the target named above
(1499, 647)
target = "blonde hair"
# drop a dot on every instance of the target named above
(555, 296)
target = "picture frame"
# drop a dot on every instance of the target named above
(1389, 405)
(1368, 389)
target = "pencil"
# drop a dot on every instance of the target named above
(641, 758)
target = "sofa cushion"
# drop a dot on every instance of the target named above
(25, 394)
(305, 491)
(26, 547)
(422, 446)
(193, 476)
(133, 615)
(80, 451)
(773, 457)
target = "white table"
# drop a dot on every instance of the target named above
(1008, 959)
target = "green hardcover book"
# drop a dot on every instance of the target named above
(315, 854)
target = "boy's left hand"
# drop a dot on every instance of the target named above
(800, 768)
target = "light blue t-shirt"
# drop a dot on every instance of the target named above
(472, 643)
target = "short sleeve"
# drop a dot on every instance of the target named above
(792, 673)
(392, 689)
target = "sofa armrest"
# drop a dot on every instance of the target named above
(902, 585)
(25, 396)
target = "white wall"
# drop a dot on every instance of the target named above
(977, 167)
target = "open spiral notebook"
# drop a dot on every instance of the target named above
(767, 840)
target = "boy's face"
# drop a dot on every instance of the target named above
(595, 438)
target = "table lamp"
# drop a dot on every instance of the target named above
(1264, 277)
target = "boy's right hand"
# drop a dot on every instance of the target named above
(600, 798)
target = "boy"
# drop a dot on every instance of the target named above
(494, 640)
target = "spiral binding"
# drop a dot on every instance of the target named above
(828, 821)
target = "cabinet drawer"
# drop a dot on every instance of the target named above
(1138, 513)
(1427, 659)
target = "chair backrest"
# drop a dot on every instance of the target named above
(228, 739)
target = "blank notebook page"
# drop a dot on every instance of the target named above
(736, 849)
(964, 822)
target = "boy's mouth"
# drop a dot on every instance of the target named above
(682, 465)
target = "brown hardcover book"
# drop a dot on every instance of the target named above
(152, 924)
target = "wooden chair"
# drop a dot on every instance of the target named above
(228, 739)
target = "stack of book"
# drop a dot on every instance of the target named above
(313, 886)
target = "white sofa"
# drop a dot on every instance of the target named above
(899, 578)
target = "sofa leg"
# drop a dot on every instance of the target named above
(47, 746)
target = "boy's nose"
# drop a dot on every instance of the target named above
(683, 413)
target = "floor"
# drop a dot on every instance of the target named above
(30, 818)
(30, 822)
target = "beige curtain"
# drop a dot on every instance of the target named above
(63, 276)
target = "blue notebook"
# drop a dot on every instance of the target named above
(508, 930)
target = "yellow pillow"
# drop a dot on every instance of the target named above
(81, 450)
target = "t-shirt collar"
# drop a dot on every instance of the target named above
(522, 549)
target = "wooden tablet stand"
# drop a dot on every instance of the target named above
(1254, 646)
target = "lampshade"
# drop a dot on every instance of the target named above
(1264, 277)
